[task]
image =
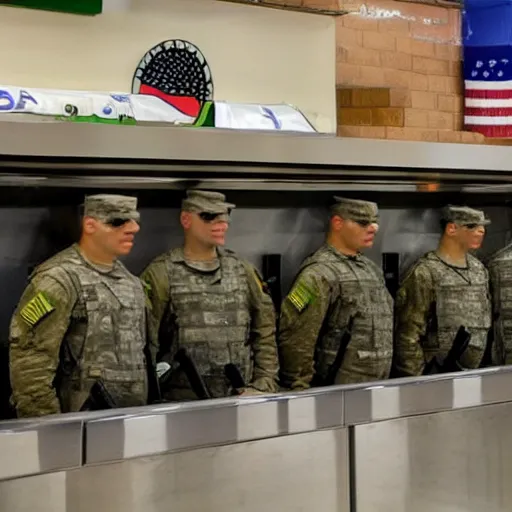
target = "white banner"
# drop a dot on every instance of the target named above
(86, 106)
(240, 116)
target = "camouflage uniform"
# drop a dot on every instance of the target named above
(435, 299)
(217, 311)
(500, 270)
(77, 323)
(329, 289)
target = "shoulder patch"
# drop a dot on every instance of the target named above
(36, 309)
(301, 296)
(250, 269)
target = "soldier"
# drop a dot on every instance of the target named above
(208, 301)
(445, 289)
(82, 319)
(335, 284)
(500, 270)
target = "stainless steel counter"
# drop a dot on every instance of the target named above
(61, 442)
(144, 147)
(342, 449)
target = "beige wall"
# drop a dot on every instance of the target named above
(255, 54)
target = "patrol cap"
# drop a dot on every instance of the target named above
(107, 207)
(464, 216)
(355, 209)
(199, 201)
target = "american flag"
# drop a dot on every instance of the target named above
(488, 90)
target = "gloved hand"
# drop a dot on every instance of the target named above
(249, 392)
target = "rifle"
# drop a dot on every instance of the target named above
(234, 376)
(154, 394)
(333, 370)
(99, 398)
(272, 278)
(451, 361)
(192, 373)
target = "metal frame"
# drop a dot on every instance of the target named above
(148, 431)
(142, 146)
(60, 154)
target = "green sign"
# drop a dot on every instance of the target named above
(72, 6)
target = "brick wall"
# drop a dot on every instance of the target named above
(398, 70)
(414, 51)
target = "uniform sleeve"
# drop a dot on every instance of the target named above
(413, 304)
(155, 279)
(263, 334)
(37, 329)
(302, 314)
(498, 353)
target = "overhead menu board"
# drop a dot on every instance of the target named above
(71, 6)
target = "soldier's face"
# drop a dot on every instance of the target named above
(210, 228)
(471, 236)
(358, 235)
(117, 236)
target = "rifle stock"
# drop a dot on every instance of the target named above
(451, 361)
(234, 376)
(99, 398)
(332, 372)
(194, 377)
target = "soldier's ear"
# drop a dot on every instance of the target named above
(89, 225)
(186, 219)
(336, 222)
(451, 228)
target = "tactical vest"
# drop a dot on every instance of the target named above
(106, 336)
(211, 318)
(501, 263)
(358, 291)
(458, 302)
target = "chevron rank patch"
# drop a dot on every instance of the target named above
(301, 296)
(36, 309)
(147, 289)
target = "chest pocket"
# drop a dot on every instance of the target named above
(115, 333)
(465, 305)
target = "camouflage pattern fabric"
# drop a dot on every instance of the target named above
(464, 216)
(355, 209)
(107, 207)
(87, 323)
(500, 270)
(206, 201)
(220, 315)
(329, 289)
(434, 300)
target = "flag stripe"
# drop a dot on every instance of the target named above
(490, 131)
(488, 112)
(486, 103)
(491, 120)
(477, 85)
(490, 94)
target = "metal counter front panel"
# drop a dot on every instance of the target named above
(457, 461)
(411, 397)
(217, 423)
(31, 447)
(286, 474)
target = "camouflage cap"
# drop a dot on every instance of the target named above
(464, 216)
(205, 201)
(107, 207)
(355, 209)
